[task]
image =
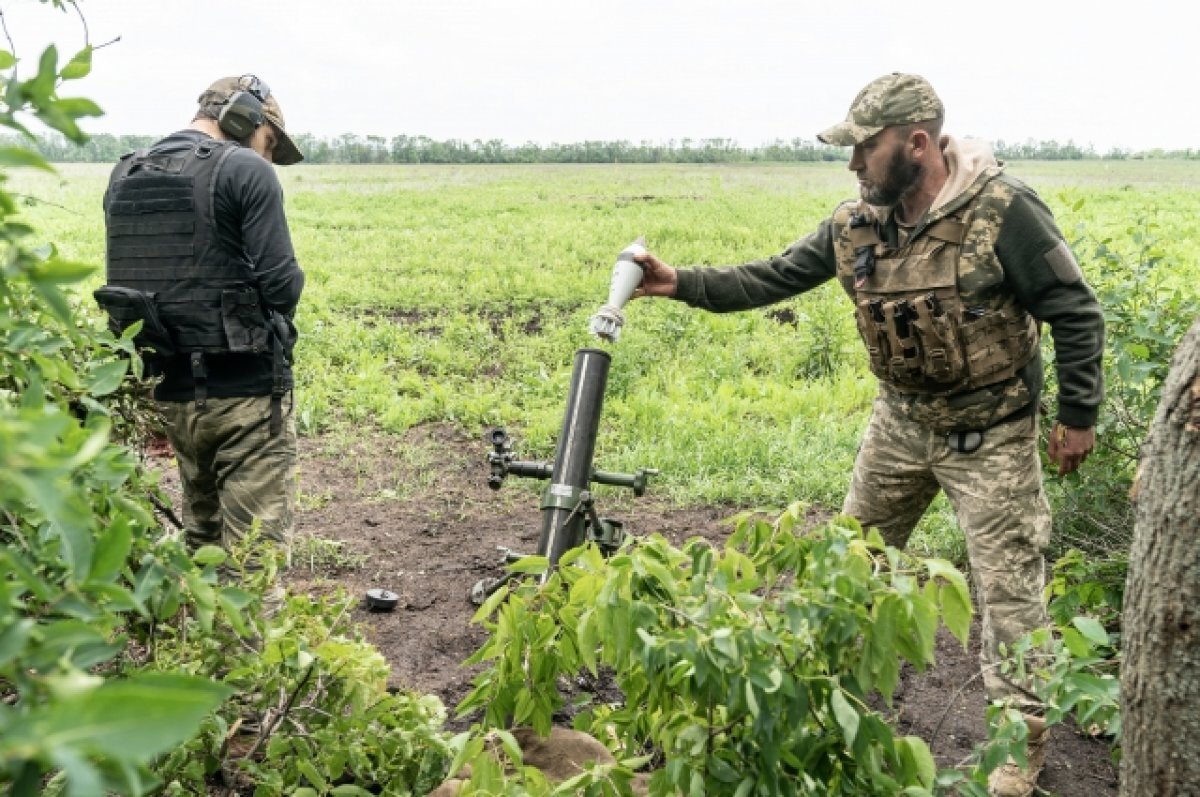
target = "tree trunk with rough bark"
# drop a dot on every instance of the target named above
(1160, 675)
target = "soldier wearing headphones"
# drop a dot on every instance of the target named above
(198, 250)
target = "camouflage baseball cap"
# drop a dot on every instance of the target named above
(895, 99)
(286, 153)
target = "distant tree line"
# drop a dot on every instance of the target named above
(352, 148)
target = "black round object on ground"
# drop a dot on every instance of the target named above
(381, 600)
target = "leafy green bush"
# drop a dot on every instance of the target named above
(311, 712)
(746, 670)
(84, 569)
(1147, 308)
(116, 644)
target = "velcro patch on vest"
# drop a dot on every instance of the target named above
(1062, 263)
(948, 230)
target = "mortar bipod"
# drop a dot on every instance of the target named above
(569, 517)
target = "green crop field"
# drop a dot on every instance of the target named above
(459, 295)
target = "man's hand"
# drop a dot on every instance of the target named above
(1069, 447)
(658, 279)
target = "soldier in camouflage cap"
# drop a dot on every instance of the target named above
(199, 251)
(895, 99)
(952, 267)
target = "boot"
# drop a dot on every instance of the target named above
(1009, 779)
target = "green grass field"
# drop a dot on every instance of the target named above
(460, 293)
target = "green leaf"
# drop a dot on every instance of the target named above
(39, 89)
(7, 59)
(106, 377)
(530, 564)
(465, 748)
(309, 771)
(956, 610)
(75, 107)
(235, 596)
(233, 614)
(508, 743)
(82, 778)
(940, 568)
(12, 640)
(209, 555)
(766, 676)
(751, 700)
(204, 599)
(111, 550)
(350, 790)
(489, 606)
(1076, 643)
(131, 720)
(79, 66)
(917, 753)
(12, 157)
(847, 718)
(58, 271)
(1091, 628)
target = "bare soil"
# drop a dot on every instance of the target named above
(415, 516)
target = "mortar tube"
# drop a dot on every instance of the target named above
(562, 518)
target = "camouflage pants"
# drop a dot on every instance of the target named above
(997, 495)
(233, 470)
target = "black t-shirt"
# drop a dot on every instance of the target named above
(251, 225)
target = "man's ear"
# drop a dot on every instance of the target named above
(919, 141)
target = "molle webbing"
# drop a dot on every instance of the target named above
(161, 241)
(863, 232)
(919, 335)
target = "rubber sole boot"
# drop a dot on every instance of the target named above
(1010, 780)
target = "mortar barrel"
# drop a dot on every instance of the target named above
(562, 524)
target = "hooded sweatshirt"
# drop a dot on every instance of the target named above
(1037, 264)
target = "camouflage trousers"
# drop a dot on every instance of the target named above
(233, 470)
(997, 495)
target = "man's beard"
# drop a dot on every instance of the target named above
(898, 182)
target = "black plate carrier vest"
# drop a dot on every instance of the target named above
(167, 269)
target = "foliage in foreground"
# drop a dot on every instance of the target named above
(1148, 305)
(83, 570)
(116, 644)
(310, 715)
(745, 671)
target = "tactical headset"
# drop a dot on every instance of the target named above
(242, 113)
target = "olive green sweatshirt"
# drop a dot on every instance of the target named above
(1038, 267)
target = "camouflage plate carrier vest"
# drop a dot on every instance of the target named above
(167, 269)
(935, 314)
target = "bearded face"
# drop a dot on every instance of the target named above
(895, 179)
(885, 179)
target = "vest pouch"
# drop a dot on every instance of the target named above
(985, 336)
(943, 353)
(907, 362)
(125, 306)
(245, 325)
(873, 331)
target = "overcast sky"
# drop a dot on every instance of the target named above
(1102, 73)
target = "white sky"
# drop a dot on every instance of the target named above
(1102, 73)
